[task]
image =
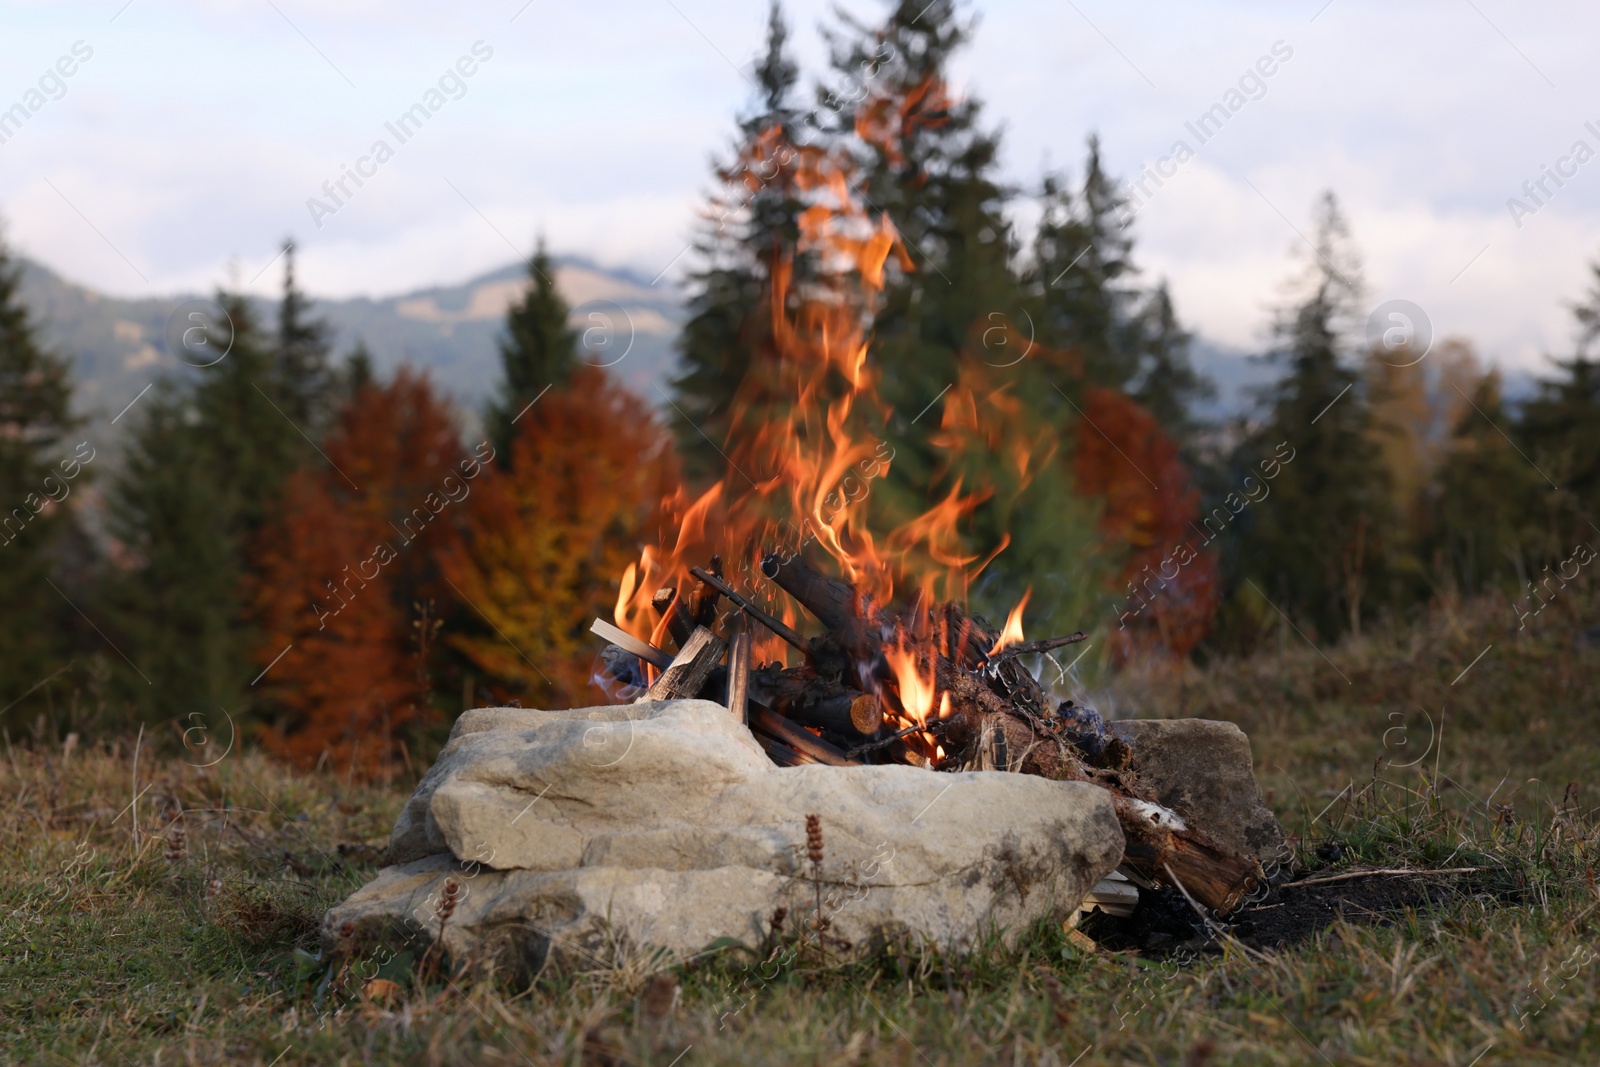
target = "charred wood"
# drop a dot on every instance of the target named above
(623, 666)
(835, 602)
(782, 754)
(805, 697)
(703, 600)
(679, 625)
(763, 720)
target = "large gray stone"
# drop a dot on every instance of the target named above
(664, 826)
(1202, 769)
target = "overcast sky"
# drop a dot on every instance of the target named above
(185, 146)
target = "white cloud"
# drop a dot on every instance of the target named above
(195, 135)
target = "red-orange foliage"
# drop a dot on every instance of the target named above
(337, 574)
(544, 542)
(1124, 457)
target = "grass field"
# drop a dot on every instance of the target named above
(1450, 741)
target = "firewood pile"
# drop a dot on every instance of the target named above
(926, 685)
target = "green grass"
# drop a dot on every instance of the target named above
(118, 956)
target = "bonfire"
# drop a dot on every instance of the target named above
(897, 670)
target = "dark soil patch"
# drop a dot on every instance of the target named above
(1164, 923)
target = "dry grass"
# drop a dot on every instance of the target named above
(203, 951)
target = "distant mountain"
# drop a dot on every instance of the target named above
(119, 346)
(1234, 373)
(1238, 373)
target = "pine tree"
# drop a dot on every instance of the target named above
(1083, 268)
(1120, 336)
(538, 352)
(1166, 383)
(1561, 425)
(203, 476)
(37, 471)
(1315, 547)
(301, 371)
(751, 225)
(1488, 505)
(173, 603)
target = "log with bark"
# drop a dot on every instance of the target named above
(690, 668)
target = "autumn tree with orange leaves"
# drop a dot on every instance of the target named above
(543, 543)
(1125, 458)
(341, 573)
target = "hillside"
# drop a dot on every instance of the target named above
(117, 345)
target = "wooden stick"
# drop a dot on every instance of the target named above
(679, 625)
(885, 742)
(750, 609)
(763, 720)
(739, 671)
(623, 639)
(1395, 871)
(782, 754)
(683, 677)
(1027, 648)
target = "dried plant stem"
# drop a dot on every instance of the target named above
(1392, 871)
(135, 805)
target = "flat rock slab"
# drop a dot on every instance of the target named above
(581, 836)
(1202, 769)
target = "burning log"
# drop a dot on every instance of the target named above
(835, 602)
(687, 672)
(806, 698)
(764, 721)
(1028, 648)
(679, 625)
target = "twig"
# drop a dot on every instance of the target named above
(1028, 648)
(750, 609)
(1385, 870)
(884, 742)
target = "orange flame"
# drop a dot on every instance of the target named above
(915, 684)
(1012, 634)
(800, 446)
